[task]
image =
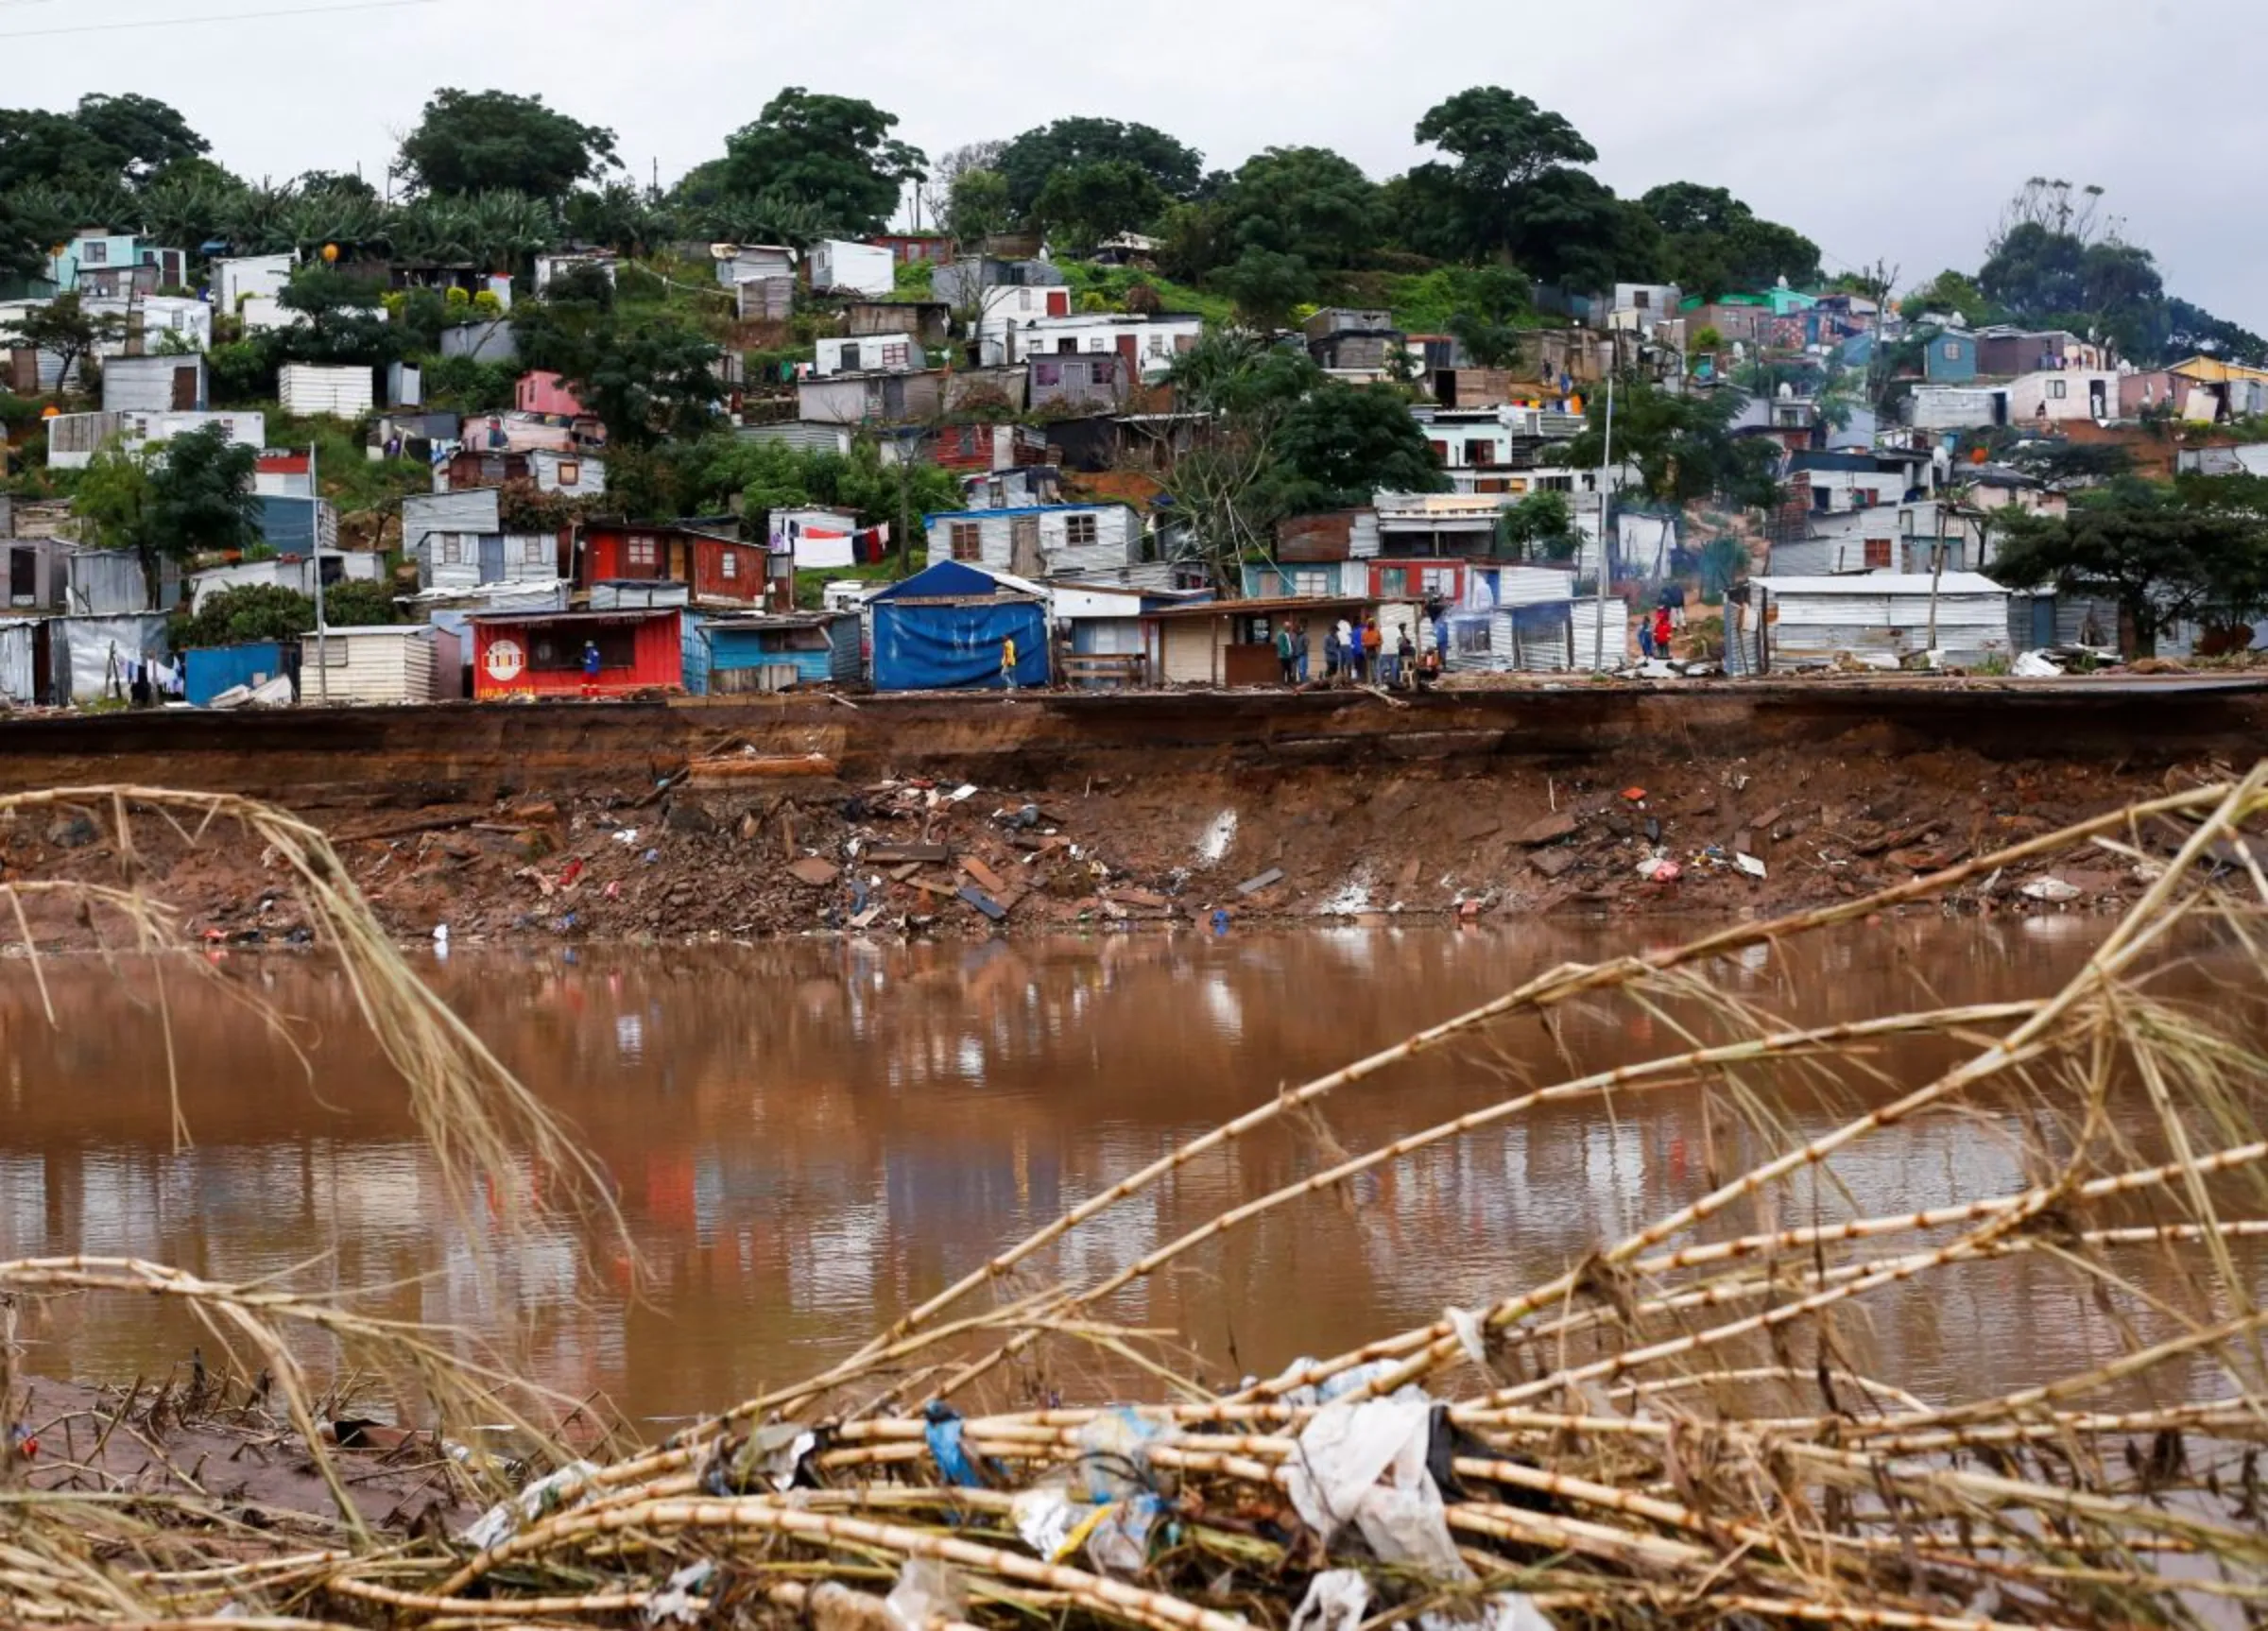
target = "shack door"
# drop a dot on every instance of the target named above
(1024, 546)
(2043, 621)
(1130, 348)
(184, 390)
(23, 577)
(1059, 302)
(491, 557)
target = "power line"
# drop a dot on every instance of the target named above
(216, 17)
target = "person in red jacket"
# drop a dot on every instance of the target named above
(1661, 631)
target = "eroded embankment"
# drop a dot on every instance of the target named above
(571, 820)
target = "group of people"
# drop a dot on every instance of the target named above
(1357, 654)
(1655, 633)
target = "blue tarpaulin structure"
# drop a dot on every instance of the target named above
(209, 670)
(944, 629)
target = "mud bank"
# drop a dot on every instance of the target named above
(575, 821)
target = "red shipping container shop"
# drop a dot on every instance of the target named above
(541, 654)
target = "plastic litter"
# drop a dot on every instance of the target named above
(1502, 1611)
(628, 837)
(1471, 1337)
(1345, 1451)
(1114, 1454)
(927, 1589)
(545, 1496)
(676, 1601)
(944, 1435)
(1749, 864)
(1659, 869)
(1336, 1600)
(2034, 665)
(1118, 1542)
(1046, 1517)
(2050, 889)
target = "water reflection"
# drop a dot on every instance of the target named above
(809, 1137)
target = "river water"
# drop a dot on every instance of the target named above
(807, 1138)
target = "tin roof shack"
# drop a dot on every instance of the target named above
(540, 392)
(298, 526)
(239, 278)
(154, 384)
(742, 262)
(840, 265)
(1099, 383)
(1346, 340)
(2070, 394)
(927, 322)
(296, 573)
(2005, 352)
(375, 666)
(541, 654)
(1881, 619)
(74, 439)
(946, 628)
(733, 655)
(108, 583)
(95, 657)
(878, 354)
(870, 399)
(1048, 541)
(1233, 642)
(210, 671)
(715, 568)
(39, 569)
(26, 660)
(342, 393)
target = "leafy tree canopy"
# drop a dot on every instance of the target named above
(1713, 243)
(1303, 201)
(1503, 144)
(1266, 286)
(1031, 160)
(1087, 203)
(832, 155)
(65, 327)
(1487, 320)
(2167, 555)
(977, 205)
(123, 139)
(252, 612)
(492, 141)
(1682, 445)
(1341, 444)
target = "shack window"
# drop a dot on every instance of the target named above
(1313, 580)
(1469, 636)
(893, 355)
(452, 550)
(93, 252)
(571, 472)
(641, 552)
(728, 563)
(2056, 390)
(1878, 554)
(560, 650)
(1393, 583)
(1079, 530)
(534, 551)
(1438, 581)
(1952, 351)
(1480, 452)
(968, 541)
(1047, 374)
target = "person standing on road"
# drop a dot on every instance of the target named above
(1299, 647)
(1284, 661)
(591, 664)
(1374, 647)
(1645, 637)
(1348, 652)
(1661, 632)
(1007, 661)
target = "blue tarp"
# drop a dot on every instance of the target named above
(947, 580)
(209, 670)
(952, 648)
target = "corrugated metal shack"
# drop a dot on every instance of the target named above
(154, 384)
(415, 662)
(1881, 619)
(95, 657)
(729, 656)
(343, 393)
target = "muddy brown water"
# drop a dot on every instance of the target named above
(807, 1138)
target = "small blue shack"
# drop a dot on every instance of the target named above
(946, 628)
(728, 656)
(209, 670)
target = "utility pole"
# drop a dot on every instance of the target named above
(1598, 658)
(314, 534)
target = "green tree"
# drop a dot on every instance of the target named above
(977, 206)
(620, 216)
(112, 504)
(1503, 144)
(1955, 294)
(1031, 160)
(344, 323)
(199, 500)
(1086, 204)
(833, 155)
(65, 327)
(1342, 444)
(492, 141)
(1266, 286)
(125, 139)
(650, 380)
(1303, 201)
(1681, 443)
(1539, 527)
(1486, 322)
(2165, 555)
(1713, 243)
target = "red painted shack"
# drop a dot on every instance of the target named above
(541, 653)
(713, 568)
(547, 393)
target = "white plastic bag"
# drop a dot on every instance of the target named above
(927, 1589)
(1336, 1600)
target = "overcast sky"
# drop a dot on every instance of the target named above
(1886, 131)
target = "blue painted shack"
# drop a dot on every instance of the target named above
(945, 629)
(1950, 357)
(729, 656)
(209, 670)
